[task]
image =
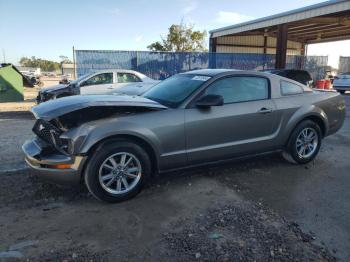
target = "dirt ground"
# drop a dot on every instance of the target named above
(255, 210)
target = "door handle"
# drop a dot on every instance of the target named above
(265, 110)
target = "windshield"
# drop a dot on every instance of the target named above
(174, 90)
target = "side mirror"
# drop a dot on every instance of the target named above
(82, 84)
(210, 100)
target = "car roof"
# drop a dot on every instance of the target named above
(116, 71)
(274, 71)
(210, 72)
(224, 72)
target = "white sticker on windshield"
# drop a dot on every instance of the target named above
(201, 78)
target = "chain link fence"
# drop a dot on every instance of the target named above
(159, 65)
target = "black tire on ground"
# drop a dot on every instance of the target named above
(341, 91)
(291, 154)
(103, 152)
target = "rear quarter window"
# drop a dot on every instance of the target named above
(289, 88)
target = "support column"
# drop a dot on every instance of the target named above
(212, 45)
(281, 48)
(212, 52)
(265, 49)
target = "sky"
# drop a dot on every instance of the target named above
(50, 28)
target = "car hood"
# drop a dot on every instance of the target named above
(58, 107)
(53, 88)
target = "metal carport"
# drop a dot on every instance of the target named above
(286, 33)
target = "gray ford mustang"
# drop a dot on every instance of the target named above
(115, 143)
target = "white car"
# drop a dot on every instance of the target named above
(113, 81)
(341, 83)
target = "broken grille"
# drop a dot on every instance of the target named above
(48, 132)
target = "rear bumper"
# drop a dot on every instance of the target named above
(41, 162)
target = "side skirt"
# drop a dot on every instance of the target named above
(219, 162)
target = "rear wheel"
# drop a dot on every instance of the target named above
(341, 91)
(117, 171)
(304, 143)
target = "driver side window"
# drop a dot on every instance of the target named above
(240, 89)
(100, 79)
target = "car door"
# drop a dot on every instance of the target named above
(101, 83)
(244, 124)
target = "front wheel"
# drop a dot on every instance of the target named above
(304, 143)
(117, 171)
(341, 91)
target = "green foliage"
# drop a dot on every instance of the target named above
(181, 38)
(45, 65)
(65, 60)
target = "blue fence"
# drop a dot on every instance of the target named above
(158, 65)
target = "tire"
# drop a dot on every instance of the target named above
(95, 174)
(341, 91)
(295, 152)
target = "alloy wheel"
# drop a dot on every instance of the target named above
(120, 173)
(307, 142)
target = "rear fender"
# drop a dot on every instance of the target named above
(311, 112)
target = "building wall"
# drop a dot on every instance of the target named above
(257, 42)
(67, 69)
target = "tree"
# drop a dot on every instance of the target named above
(181, 38)
(65, 60)
(45, 65)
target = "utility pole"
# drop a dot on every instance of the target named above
(74, 66)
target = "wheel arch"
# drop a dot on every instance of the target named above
(316, 118)
(131, 138)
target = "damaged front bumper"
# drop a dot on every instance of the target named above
(52, 165)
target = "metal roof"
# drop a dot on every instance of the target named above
(324, 8)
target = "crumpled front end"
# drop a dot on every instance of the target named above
(51, 155)
(62, 126)
(51, 164)
(43, 97)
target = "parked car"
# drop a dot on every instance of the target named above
(115, 143)
(301, 76)
(341, 83)
(34, 80)
(100, 82)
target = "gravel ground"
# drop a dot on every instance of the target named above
(245, 232)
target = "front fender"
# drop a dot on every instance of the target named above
(92, 134)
